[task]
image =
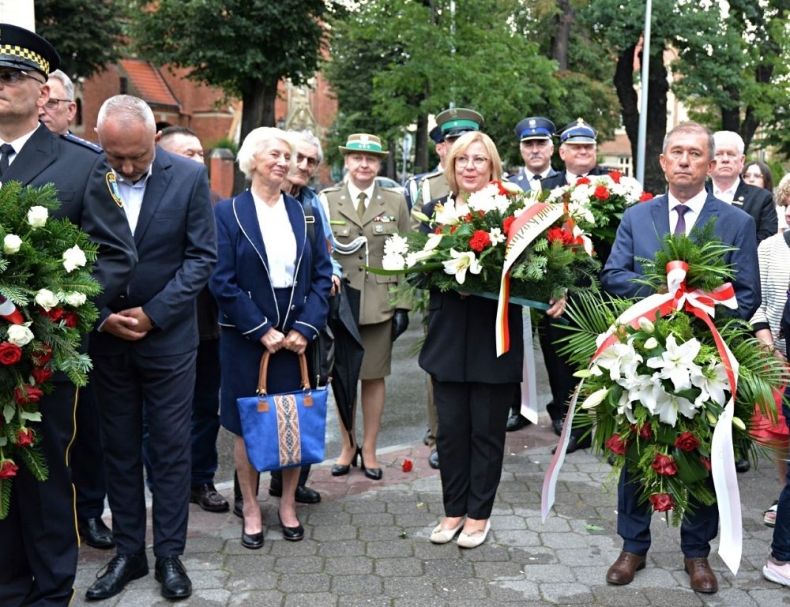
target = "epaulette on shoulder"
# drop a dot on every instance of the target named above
(83, 142)
(332, 188)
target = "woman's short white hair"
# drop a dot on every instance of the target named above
(257, 141)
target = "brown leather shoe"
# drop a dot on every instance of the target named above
(624, 568)
(701, 575)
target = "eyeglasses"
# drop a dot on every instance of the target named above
(54, 101)
(12, 77)
(311, 161)
(479, 162)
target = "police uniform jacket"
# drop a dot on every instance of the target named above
(386, 214)
(560, 179)
(522, 180)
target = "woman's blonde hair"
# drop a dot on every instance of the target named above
(460, 146)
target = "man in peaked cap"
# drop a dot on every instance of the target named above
(414, 183)
(38, 539)
(577, 151)
(534, 134)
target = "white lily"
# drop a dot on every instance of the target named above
(712, 382)
(646, 390)
(669, 405)
(446, 214)
(624, 407)
(418, 256)
(620, 360)
(432, 242)
(460, 263)
(651, 343)
(646, 325)
(677, 361)
(595, 399)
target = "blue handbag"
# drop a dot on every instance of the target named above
(284, 430)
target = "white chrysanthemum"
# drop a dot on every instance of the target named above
(496, 236)
(396, 245)
(393, 261)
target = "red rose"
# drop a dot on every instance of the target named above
(645, 196)
(479, 241)
(468, 217)
(10, 354)
(407, 465)
(705, 462)
(616, 444)
(55, 314)
(41, 374)
(41, 355)
(26, 394)
(664, 464)
(686, 441)
(70, 319)
(506, 223)
(25, 437)
(601, 193)
(615, 176)
(582, 181)
(646, 431)
(8, 469)
(661, 502)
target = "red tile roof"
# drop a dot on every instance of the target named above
(146, 80)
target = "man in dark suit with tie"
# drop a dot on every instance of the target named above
(686, 159)
(145, 348)
(38, 539)
(726, 184)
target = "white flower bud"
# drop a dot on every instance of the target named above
(646, 325)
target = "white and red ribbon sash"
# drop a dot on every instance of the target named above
(535, 219)
(9, 312)
(702, 305)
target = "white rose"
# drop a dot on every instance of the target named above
(11, 244)
(19, 335)
(37, 216)
(75, 299)
(46, 299)
(73, 258)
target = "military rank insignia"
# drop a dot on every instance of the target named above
(112, 186)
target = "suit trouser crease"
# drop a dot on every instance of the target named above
(126, 385)
(471, 444)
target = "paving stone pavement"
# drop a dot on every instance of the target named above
(367, 545)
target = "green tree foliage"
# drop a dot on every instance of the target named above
(85, 34)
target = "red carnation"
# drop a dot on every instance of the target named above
(70, 319)
(705, 462)
(686, 441)
(41, 374)
(25, 437)
(8, 469)
(479, 241)
(615, 176)
(582, 181)
(26, 394)
(10, 354)
(601, 192)
(616, 444)
(645, 196)
(556, 235)
(664, 465)
(42, 355)
(506, 223)
(661, 502)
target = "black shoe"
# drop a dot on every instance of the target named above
(170, 572)
(343, 469)
(292, 534)
(556, 425)
(95, 533)
(575, 443)
(433, 459)
(122, 569)
(372, 473)
(303, 495)
(207, 497)
(742, 465)
(516, 421)
(238, 507)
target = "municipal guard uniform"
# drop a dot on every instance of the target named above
(534, 128)
(38, 539)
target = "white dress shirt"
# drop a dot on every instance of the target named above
(354, 192)
(18, 144)
(727, 195)
(279, 240)
(694, 204)
(132, 194)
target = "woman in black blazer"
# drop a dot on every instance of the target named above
(472, 388)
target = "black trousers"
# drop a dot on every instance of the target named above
(87, 458)
(126, 384)
(38, 539)
(471, 443)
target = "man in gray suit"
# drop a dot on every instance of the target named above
(146, 344)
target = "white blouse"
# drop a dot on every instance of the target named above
(279, 240)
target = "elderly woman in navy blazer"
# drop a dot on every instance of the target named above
(271, 283)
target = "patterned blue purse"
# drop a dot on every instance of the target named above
(284, 430)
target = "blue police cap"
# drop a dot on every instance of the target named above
(436, 134)
(24, 50)
(535, 127)
(578, 132)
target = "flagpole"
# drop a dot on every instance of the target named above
(641, 145)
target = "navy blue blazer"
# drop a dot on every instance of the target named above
(241, 284)
(645, 224)
(176, 247)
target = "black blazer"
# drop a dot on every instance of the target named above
(757, 202)
(78, 173)
(176, 244)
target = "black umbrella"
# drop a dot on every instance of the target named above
(344, 322)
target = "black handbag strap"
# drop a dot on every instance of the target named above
(264, 369)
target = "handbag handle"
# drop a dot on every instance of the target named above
(264, 369)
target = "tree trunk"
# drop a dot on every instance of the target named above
(559, 44)
(257, 110)
(421, 146)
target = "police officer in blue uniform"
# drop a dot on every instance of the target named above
(38, 539)
(534, 134)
